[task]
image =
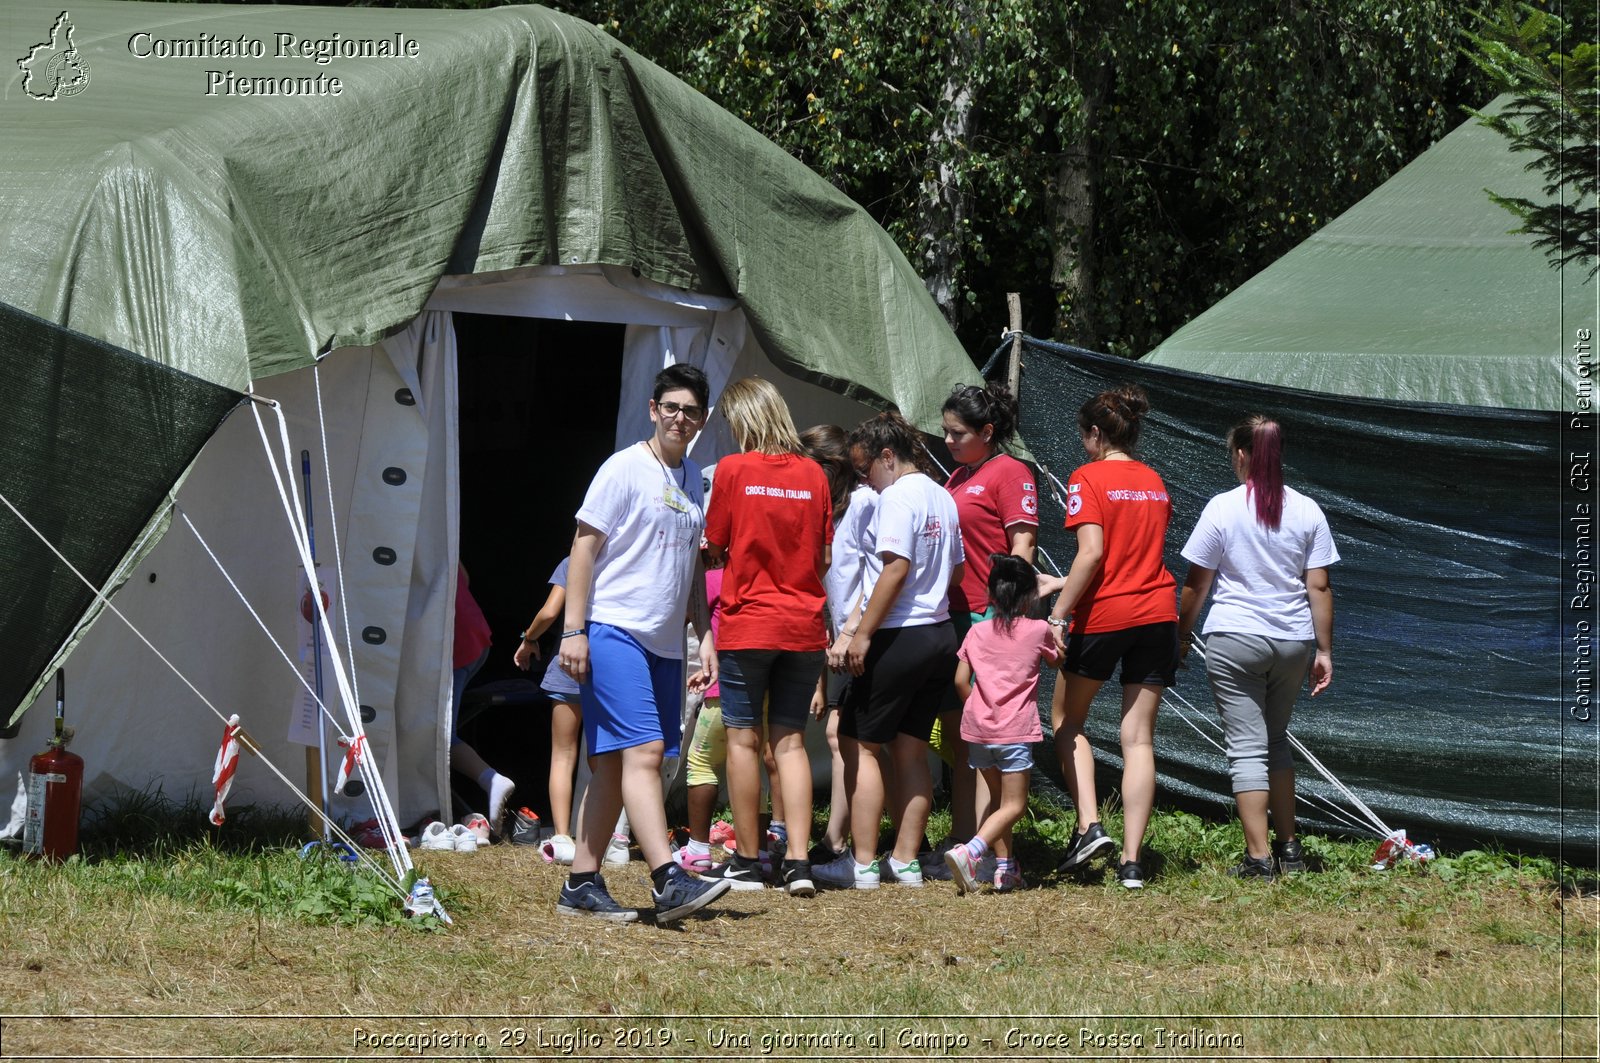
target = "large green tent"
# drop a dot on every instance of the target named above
(1418, 293)
(235, 191)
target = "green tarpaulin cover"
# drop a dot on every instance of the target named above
(230, 189)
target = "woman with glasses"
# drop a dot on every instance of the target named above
(771, 517)
(1265, 548)
(901, 651)
(633, 574)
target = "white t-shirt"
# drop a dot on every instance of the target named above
(1260, 587)
(917, 520)
(652, 517)
(844, 579)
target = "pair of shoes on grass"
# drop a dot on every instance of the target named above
(460, 838)
(679, 896)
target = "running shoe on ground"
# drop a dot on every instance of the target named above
(1009, 881)
(795, 877)
(694, 863)
(1131, 875)
(617, 850)
(843, 874)
(1085, 847)
(823, 853)
(778, 845)
(963, 868)
(740, 873)
(466, 838)
(478, 824)
(684, 895)
(722, 834)
(591, 899)
(934, 869)
(525, 827)
(1254, 867)
(559, 849)
(910, 875)
(1291, 859)
(437, 836)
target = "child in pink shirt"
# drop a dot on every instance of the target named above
(1000, 720)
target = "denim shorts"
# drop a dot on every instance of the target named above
(783, 679)
(1007, 756)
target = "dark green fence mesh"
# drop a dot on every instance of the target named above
(93, 438)
(1445, 713)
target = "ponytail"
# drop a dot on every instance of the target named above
(1262, 439)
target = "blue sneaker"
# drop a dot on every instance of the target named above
(684, 895)
(844, 874)
(591, 899)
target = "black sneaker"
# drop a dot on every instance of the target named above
(823, 853)
(592, 900)
(1290, 857)
(934, 869)
(684, 895)
(1085, 847)
(1254, 867)
(740, 873)
(1131, 875)
(525, 827)
(795, 877)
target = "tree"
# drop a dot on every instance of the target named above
(1552, 73)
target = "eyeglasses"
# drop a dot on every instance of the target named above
(670, 410)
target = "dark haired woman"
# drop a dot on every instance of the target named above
(998, 506)
(901, 650)
(632, 576)
(1265, 548)
(1124, 612)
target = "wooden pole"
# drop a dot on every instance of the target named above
(1014, 363)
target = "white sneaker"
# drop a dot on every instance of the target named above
(465, 840)
(617, 849)
(437, 836)
(559, 849)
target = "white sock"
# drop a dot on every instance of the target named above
(499, 788)
(699, 848)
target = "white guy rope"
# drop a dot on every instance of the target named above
(393, 883)
(333, 529)
(387, 822)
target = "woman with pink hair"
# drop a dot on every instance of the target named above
(1265, 549)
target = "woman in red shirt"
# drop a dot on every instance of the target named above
(771, 513)
(999, 510)
(1124, 610)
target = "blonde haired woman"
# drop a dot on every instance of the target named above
(772, 516)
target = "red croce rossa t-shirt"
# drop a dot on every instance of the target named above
(774, 515)
(1133, 587)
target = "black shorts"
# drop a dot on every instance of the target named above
(1148, 654)
(908, 672)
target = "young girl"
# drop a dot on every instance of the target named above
(1001, 719)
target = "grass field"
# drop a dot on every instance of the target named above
(182, 949)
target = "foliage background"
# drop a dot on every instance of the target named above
(1122, 163)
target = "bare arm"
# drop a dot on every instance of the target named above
(1320, 593)
(580, 582)
(1085, 566)
(555, 604)
(884, 594)
(700, 617)
(1022, 541)
(964, 679)
(1196, 588)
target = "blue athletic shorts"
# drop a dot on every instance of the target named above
(632, 697)
(1007, 756)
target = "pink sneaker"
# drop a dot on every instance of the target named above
(963, 868)
(722, 834)
(698, 864)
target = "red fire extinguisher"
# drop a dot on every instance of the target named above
(55, 791)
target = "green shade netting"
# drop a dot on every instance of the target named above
(1446, 712)
(94, 438)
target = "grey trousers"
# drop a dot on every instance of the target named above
(1255, 681)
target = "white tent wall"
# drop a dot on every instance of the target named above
(139, 727)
